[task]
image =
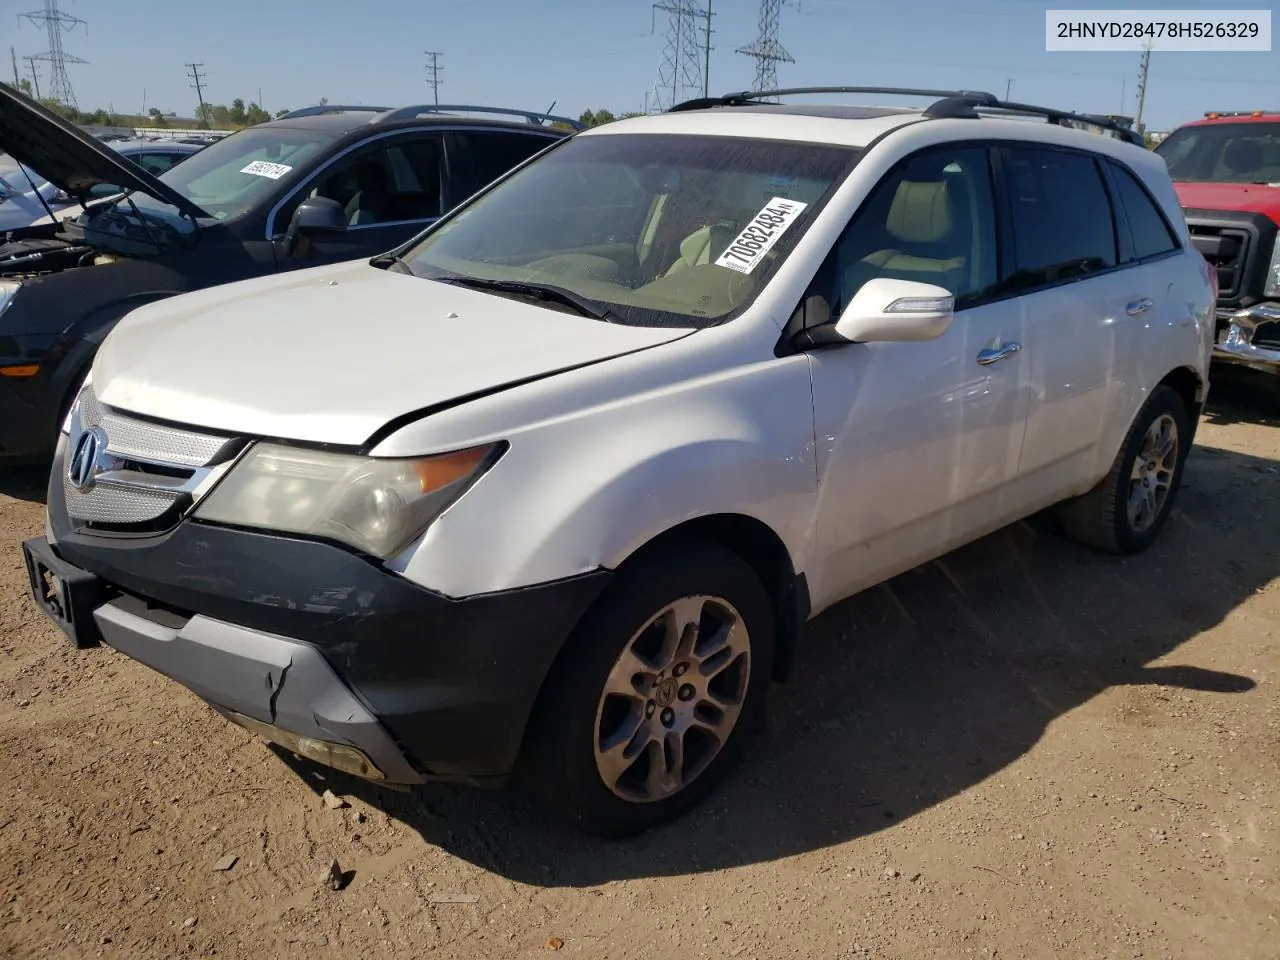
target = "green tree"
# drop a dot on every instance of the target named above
(25, 87)
(204, 113)
(281, 113)
(221, 116)
(237, 114)
(594, 118)
(255, 115)
(157, 117)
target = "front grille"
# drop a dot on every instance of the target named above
(140, 477)
(1227, 249)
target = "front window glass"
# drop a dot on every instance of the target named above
(232, 176)
(1224, 153)
(657, 230)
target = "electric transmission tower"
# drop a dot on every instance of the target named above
(767, 50)
(55, 22)
(433, 67)
(685, 65)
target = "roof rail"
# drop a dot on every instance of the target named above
(535, 117)
(950, 103)
(321, 108)
(745, 97)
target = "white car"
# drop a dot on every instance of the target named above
(553, 488)
(20, 206)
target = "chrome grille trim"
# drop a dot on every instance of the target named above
(146, 476)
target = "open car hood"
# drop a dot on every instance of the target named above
(69, 158)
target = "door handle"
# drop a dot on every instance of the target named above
(993, 354)
(1141, 305)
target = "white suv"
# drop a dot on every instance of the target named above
(554, 487)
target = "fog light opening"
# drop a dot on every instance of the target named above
(339, 756)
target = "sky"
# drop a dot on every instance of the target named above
(591, 54)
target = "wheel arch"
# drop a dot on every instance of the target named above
(752, 540)
(1192, 388)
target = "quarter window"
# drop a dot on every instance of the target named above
(1062, 225)
(1150, 230)
(932, 221)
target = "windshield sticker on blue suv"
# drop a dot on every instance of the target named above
(264, 168)
(760, 234)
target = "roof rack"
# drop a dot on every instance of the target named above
(322, 108)
(949, 103)
(536, 117)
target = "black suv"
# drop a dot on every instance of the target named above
(323, 184)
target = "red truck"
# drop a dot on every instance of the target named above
(1226, 169)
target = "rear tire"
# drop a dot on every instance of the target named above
(656, 692)
(1125, 513)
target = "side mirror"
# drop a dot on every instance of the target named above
(317, 215)
(313, 215)
(896, 310)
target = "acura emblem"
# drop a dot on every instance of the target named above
(82, 468)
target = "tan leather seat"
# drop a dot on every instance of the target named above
(929, 245)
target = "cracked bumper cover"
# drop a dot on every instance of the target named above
(274, 680)
(429, 687)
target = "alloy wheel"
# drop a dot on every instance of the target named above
(672, 699)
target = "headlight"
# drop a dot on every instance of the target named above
(377, 506)
(8, 290)
(1272, 289)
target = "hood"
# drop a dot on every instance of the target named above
(332, 354)
(69, 158)
(1242, 197)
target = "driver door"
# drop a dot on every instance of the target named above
(918, 443)
(390, 190)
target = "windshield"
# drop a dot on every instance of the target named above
(232, 176)
(12, 179)
(655, 230)
(1224, 153)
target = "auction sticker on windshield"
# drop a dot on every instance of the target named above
(760, 234)
(264, 168)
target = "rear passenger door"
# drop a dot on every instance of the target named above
(482, 156)
(1066, 269)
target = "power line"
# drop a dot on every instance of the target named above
(1143, 70)
(767, 50)
(434, 81)
(197, 76)
(35, 76)
(55, 22)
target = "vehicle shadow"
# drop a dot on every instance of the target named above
(25, 481)
(912, 692)
(1243, 396)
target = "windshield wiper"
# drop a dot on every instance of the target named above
(540, 291)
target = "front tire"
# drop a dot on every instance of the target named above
(1125, 513)
(656, 693)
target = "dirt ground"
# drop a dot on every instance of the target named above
(1024, 750)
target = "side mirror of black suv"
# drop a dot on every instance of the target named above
(314, 215)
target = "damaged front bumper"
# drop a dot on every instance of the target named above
(318, 648)
(282, 690)
(1240, 343)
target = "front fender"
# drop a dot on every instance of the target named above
(584, 492)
